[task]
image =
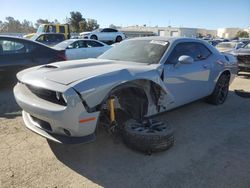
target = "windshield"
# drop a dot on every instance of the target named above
(141, 51)
(64, 44)
(247, 46)
(34, 37)
(41, 29)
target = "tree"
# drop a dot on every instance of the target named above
(92, 25)
(242, 34)
(1, 25)
(11, 25)
(75, 19)
(27, 27)
(55, 21)
(112, 26)
(83, 26)
(41, 21)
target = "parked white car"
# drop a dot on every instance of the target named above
(82, 48)
(229, 46)
(105, 35)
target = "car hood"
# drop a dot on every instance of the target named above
(68, 72)
(85, 33)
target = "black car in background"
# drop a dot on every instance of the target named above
(243, 56)
(17, 54)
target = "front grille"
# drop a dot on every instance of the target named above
(244, 59)
(47, 95)
(43, 124)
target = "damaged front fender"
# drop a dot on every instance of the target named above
(95, 90)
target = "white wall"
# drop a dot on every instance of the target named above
(227, 32)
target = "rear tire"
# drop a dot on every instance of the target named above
(118, 39)
(220, 92)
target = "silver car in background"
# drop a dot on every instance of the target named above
(145, 76)
(229, 46)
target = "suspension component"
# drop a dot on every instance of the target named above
(112, 114)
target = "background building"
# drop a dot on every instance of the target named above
(227, 32)
(166, 31)
(138, 31)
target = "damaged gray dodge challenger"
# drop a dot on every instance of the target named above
(142, 77)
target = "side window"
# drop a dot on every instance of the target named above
(41, 38)
(195, 50)
(179, 50)
(91, 44)
(105, 30)
(73, 45)
(204, 51)
(59, 38)
(50, 38)
(62, 29)
(77, 44)
(82, 44)
(113, 30)
(247, 46)
(51, 29)
(11, 47)
(110, 30)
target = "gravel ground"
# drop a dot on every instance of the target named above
(212, 149)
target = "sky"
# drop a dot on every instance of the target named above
(209, 14)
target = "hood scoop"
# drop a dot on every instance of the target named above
(49, 67)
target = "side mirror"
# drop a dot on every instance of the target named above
(185, 59)
(70, 47)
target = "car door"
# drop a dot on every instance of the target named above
(103, 35)
(187, 82)
(14, 57)
(112, 34)
(77, 50)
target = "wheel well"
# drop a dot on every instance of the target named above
(226, 72)
(93, 36)
(144, 91)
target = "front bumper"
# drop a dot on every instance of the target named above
(62, 124)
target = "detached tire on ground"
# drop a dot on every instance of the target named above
(148, 136)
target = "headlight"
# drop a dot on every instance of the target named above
(61, 98)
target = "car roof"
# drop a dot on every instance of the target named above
(23, 39)
(43, 33)
(169, 39)
(173, 40)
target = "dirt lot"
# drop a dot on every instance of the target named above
(212, 149)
